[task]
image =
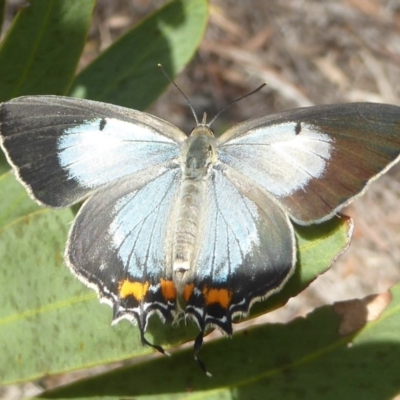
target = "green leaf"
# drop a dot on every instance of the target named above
(318, 247)
(49, 321)
(43, 303)
(127, 74)
(4, 167)
(305, 359)
(41, 50)
(2, 9)
(20, 204)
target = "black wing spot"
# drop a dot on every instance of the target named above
(298, 128)
(103, 123)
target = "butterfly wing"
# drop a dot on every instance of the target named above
(119, 245)
(246, 250)
(315, 160)
(64, 148)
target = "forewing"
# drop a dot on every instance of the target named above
(119, 245)
(246, 250)
(315, 160)
(64, 148)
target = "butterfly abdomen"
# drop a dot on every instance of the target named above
(190, 198)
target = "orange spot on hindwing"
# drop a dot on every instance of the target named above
(168, 289)
(219, 296)
(187, 291)
(135, 289)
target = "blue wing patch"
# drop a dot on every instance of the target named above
(127, 263)
(246, 252)
(86, 151)
(315, 160)
(76, 146)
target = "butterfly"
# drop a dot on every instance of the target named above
(176, 221)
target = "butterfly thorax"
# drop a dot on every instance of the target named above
(198, 153)
(197, 158)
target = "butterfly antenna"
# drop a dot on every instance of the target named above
(234, 102)
(180, 90)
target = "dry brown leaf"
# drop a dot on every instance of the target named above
(356, 313)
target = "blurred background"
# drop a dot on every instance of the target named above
(309, 52)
